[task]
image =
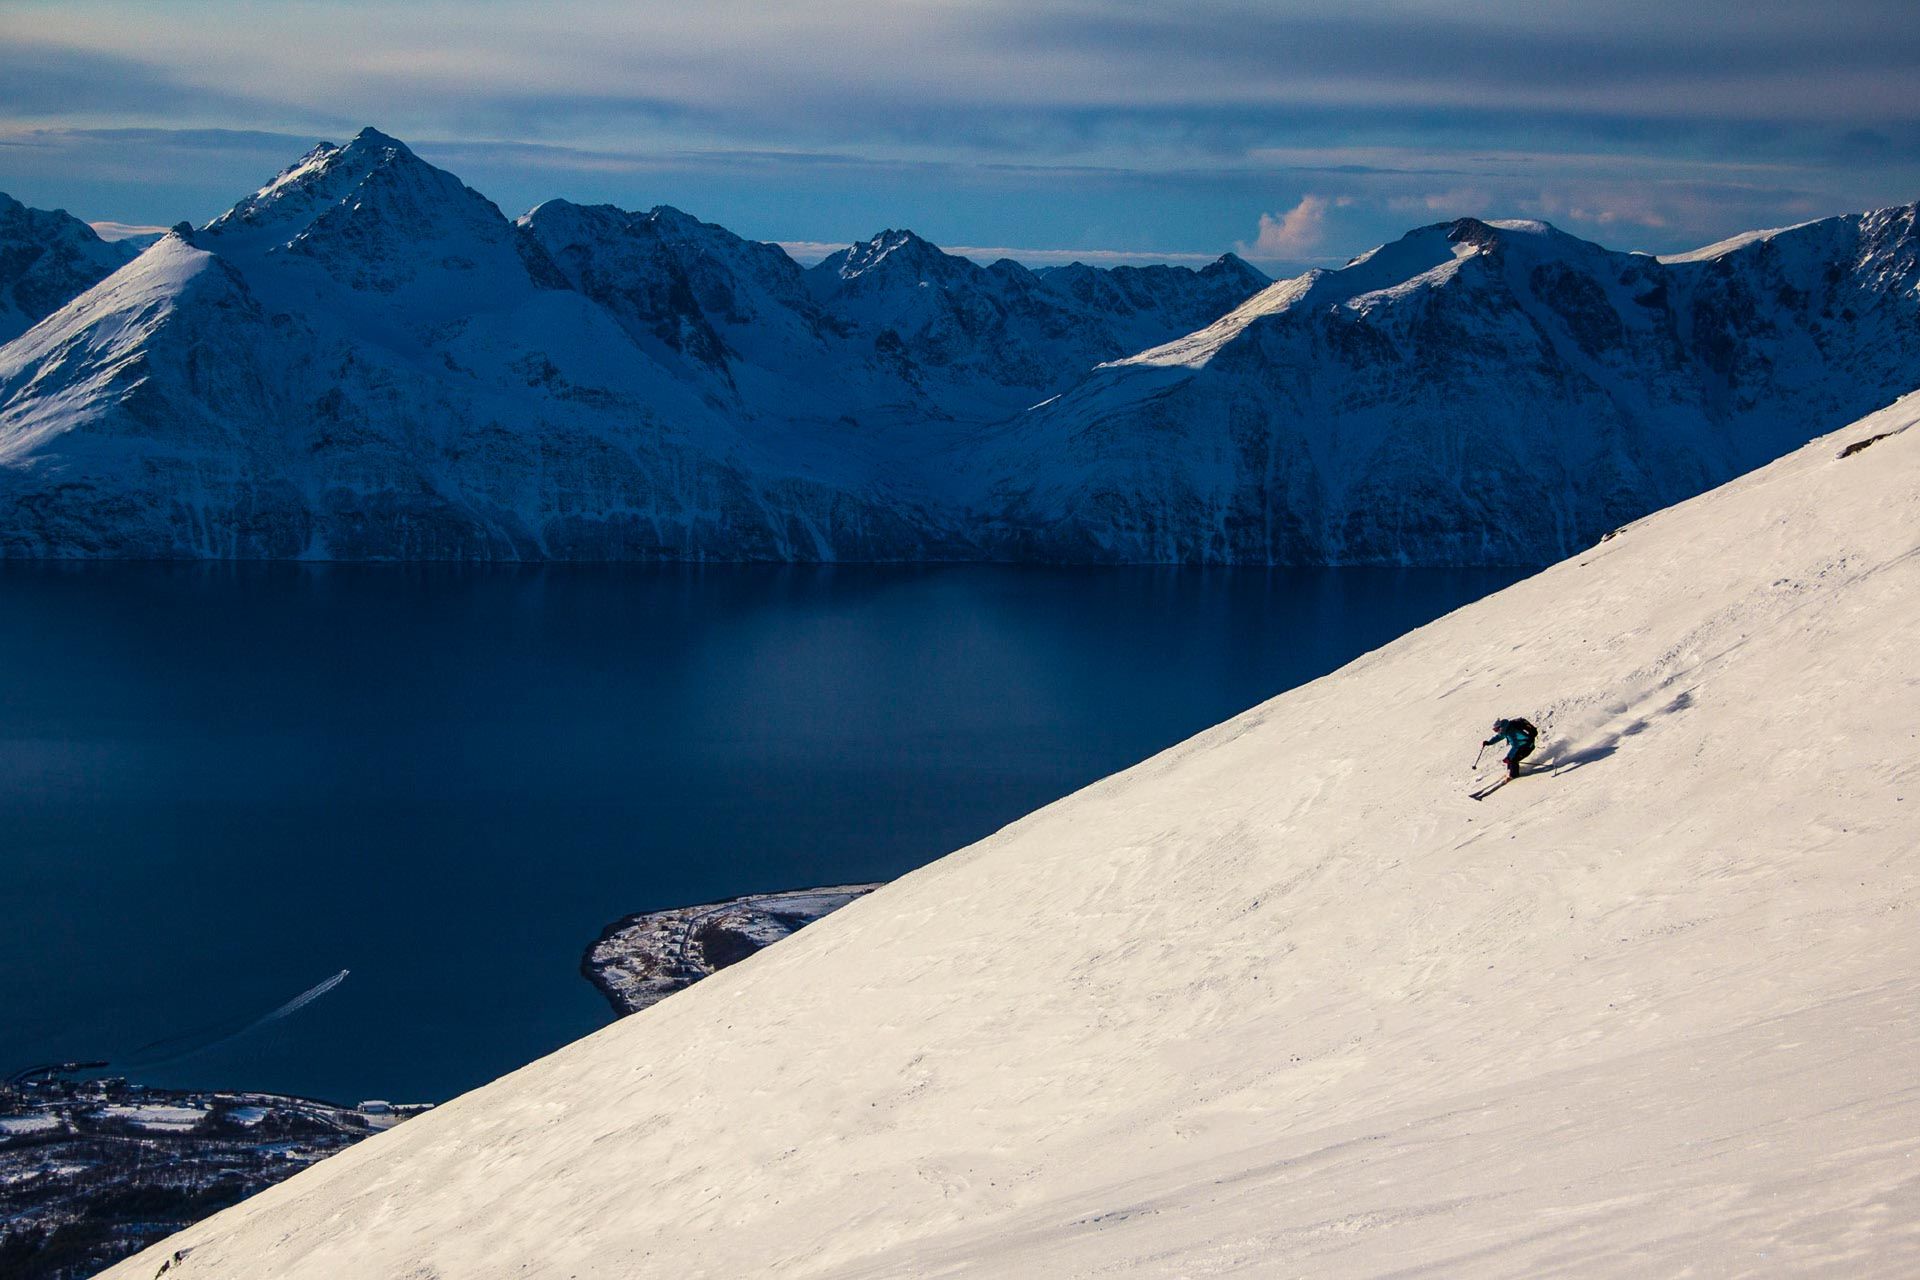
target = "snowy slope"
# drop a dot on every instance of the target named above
(1284, 1001)
(1472, 393)
(47, 258)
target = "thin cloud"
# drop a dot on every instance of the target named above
(810, 252)
(46, 81)
(108, 230)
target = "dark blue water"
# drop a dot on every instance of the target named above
(221, 785)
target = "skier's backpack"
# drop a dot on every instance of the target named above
(1525, 726)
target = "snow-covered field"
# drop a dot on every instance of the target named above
(12, 1125)
(1284, 1001)
(158, 1117)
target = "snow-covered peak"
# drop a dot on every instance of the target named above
(372, 218)
(1425, 258)
(865, 257)
(672, 221)
(1232, 267)
(384, 311)
(557, 223)
(894, 254)
(1525, 226)
(320, 179)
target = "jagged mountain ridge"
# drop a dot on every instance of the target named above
(888, 328)
(366, 360)
(1473, 393)
(389, 368)
(47, 258)
(396, 370)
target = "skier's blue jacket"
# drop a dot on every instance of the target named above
(1517, 734)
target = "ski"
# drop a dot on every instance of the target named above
(1489, 789)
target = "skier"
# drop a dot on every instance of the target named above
(1520, 736)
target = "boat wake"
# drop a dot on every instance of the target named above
(178, 1048)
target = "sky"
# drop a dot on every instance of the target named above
(1105, 130)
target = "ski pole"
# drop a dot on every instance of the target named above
(1476, 755)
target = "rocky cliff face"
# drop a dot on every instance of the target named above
(47, 257)
(365, 359)
(891, 330)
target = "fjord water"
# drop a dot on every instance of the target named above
(221, 785)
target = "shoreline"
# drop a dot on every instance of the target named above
(642, 958)
(80, 1151)
(94, 1169)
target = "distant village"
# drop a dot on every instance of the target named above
(93, 1168)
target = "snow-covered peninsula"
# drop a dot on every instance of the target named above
(641, 959)
(1283, 1000)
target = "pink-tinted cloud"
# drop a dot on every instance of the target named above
(1300, 234)
(1297, 233)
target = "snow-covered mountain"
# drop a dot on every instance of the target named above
(686, 287)
(1284, 1000)
(891, 331)
(366, 359)
(1472, 393)
(1002, 334)
(47, 258)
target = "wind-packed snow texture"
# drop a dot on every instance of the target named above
(1283, 1001)
(366, 360)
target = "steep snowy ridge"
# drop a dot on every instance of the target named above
(1473, 393)
(1195, 349)
(94, 354)
(46, 258)
(1283, 1000)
